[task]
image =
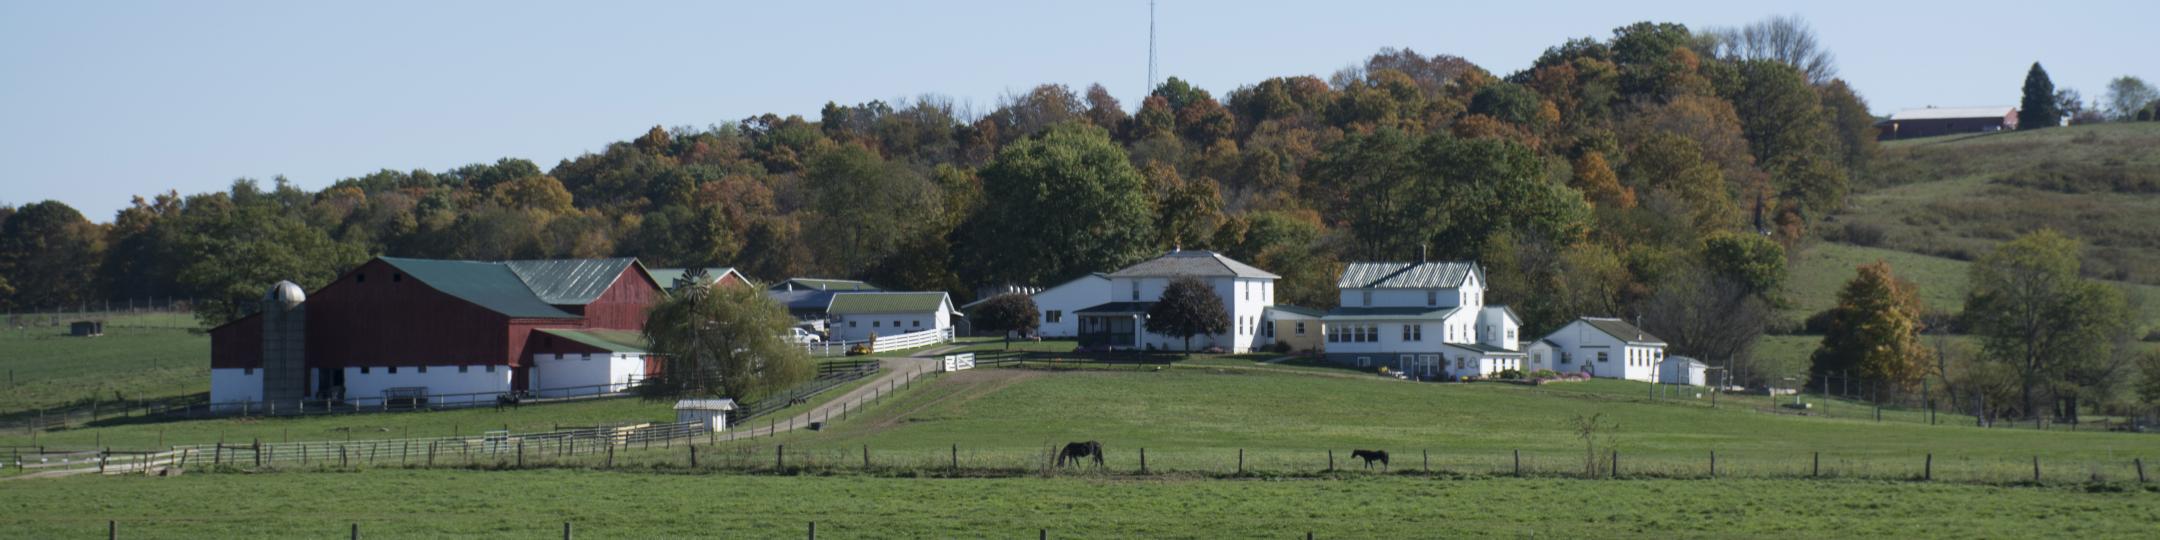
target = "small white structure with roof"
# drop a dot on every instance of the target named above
(712, 413)
(855, 316)
(1603, 347)
(1683, 370)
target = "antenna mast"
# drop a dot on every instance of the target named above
(1150, 47)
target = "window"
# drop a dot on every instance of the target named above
(1432, 298)
(396, 277)
(1601, 357)
(1413, 332)
(587, 357)
(851, 324)
(1136, 289)
(1364, 361)
(464, 369)
(393, 370)
(1245, 290)
(1567, 358)
(877, 324)
(1267, 329)
(1301, 328)
(896, 323)
(247, 371)
(1511, 333)
(423, 369)
(363, 370)
(1368, 296)
(491, 368)
(1053, 316)
(359, 278)
(918, 323)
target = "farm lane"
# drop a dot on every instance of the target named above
(897, 371)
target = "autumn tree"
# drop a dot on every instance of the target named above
(1783, 38)
(1188, 308)
(2126, 95)
(48, 255)
(1875, 330)
(1595, 179)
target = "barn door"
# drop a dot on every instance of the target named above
(521, 378)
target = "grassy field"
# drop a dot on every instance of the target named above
(534, 504)
(1958, 196)
(140, 434)
(1197, 418)
(49, 369)
(1822, 269)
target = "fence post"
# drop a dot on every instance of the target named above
(956, 459)
(1241, 461)
(866, 458)
(1927, 472)
(1616, 464)
(521, 453)
(355, 531)
(779, 457)
(1143, 463)
(1518, 462)
(1428, 462)
(1713, 464)
(1331, 460)
(2036, 469)
(112, 530)
(813, 530)
(1818, 464)
(610, 455)
(566, 530)
(693, 455)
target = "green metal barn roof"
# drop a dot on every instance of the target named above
(486, 284)
(623, 341)
(569, 281)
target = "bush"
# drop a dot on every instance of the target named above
(1817, 324)
(1544, 374)
(1864, 234)
(1509, 375)
(1281, 347)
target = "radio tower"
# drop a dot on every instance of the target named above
(1150, 47)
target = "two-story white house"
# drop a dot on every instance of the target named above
(1059, 306)
(1603, 347)
(1426, 319)
(1120, 321)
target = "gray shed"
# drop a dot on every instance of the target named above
(1682, 370)
(713, 412)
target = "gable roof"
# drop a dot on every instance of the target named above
(1621, 329)
(1201, 263)
(626, 341)
(569, 281)
(823, 284)
(1509, 312)
(489, 285)
(666, 276)
(802, 300)
(885, 302)
(1405, 275)
(1946, 113)
(1295, 310)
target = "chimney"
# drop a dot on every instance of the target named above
(1421, 254)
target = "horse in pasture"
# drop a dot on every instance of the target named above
(1371, 456)
(1074, 452)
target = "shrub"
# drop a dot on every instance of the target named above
(1212, 350)
(1281, 347)
(1864, 234)
(1509, 375)
(1544, 374)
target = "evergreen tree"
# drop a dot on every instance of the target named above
(2038, 110)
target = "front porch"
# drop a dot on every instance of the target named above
(1113, 326)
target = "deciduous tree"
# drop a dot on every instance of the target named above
(1188, 308)
(2034, 314)
(723, 342)
(1057, 205)
(1008, 314)
(1875, 330)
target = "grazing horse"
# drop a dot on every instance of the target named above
(507, 400)
(1074, 452)
(1371, 456)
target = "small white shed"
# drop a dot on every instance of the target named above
(1683, 370)
(713, 412)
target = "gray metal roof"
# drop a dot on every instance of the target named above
(1404, 275)
(666, 276)
(1621, 329)
(569, 281)
(1391, 312)
(1201, 263)
(705, 405)
(885, 302)
(1117, 308)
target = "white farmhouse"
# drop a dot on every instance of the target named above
(1603, 347)
(1120, 321)
(855, 316)
(1427, 319)
(1060, 306)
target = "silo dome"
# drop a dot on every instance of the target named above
(286, 293)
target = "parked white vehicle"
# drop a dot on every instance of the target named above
(803, 337)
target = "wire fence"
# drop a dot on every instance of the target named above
(199, 406)
(158, 312)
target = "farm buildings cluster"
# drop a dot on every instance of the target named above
(416, 329)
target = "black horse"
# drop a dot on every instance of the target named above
(510, 400)
(1074, 452)
(1371, 456)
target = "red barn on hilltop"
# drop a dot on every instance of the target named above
(397, 328)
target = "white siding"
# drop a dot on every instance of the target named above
(235, 384)
(1064, 300)
(1622, 361)
(859, 326)
(1246, 299)
(439, 380)
(557, 375)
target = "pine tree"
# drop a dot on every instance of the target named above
(2039, 109)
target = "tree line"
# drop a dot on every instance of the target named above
(1657, 166)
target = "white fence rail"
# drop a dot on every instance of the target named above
(911, 340)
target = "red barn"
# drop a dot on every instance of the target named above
(410, 328)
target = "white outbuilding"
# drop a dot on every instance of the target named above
(1683, 370)
(713, 412)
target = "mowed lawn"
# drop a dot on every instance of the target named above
(601, 504)
(50, 369)
(145, 434)
(1198, 418)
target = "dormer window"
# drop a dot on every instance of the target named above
(1432, 298)
(1367, 295)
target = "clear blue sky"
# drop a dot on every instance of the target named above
(103, 100)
